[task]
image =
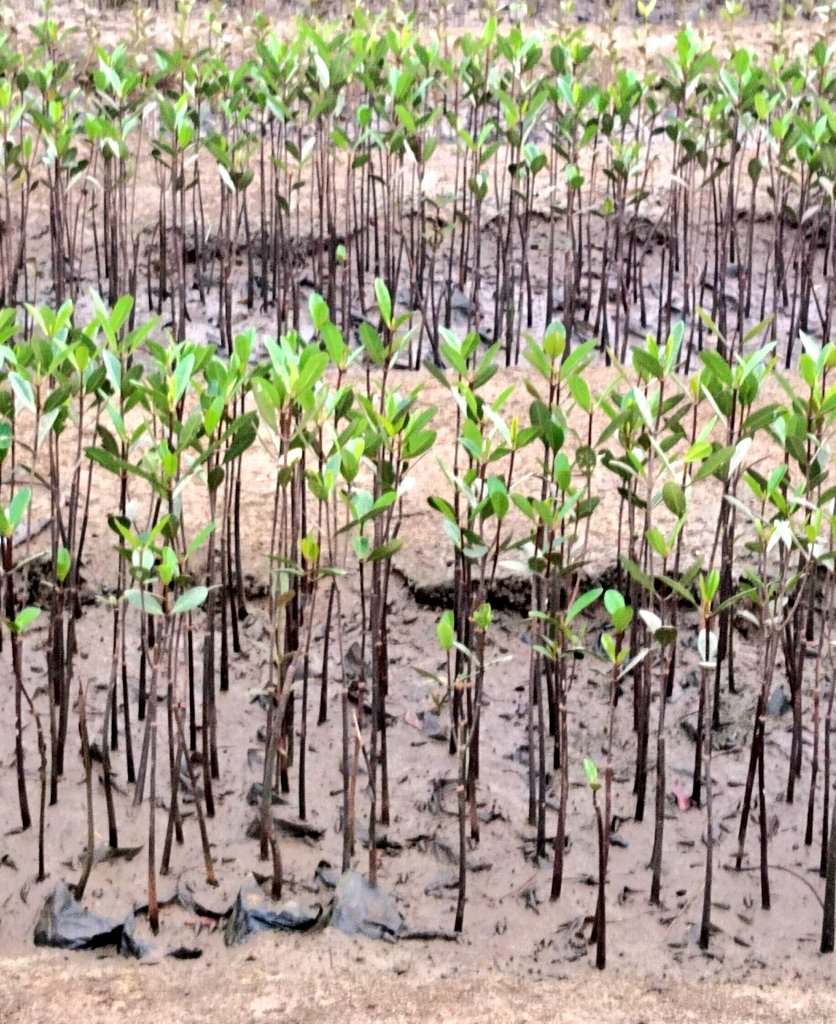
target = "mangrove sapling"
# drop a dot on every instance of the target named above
(308, 575)
(186, 604)
(79, 383)
(395, 436)
(729, 392)
(86, 759)
(482, 618)
(173, 150)
(156, 656)
(731, 386)
(600, 926)
(349, 466)
(36, 360)
(124, 394)
(22, 621)
(616, 652)
(445, 687)
(446, 634)
(312, 574)
(650, 458)
(289, 397)
(805, 435)
(827, 628)
(559, 520)
(562, 644)
(462, 751)
(475, 519)
(828, 928)
(471, 374)
(11, 518)
(158, 563)
(331, 409)
(349, 452)
(341, 466)
(117, 132)
(773, 590)
(227, 432)
(664, 635)
(631, 422)
(821, 646)
(553, 546)
(18, 159)
(707, 645)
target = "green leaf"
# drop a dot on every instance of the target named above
(590, 770)
(446, 631)
(334, 343)
(384, 301)
(582, 603)
(608, 645)
(386, 550)
(498, 495)
(143, 600)
(189, 600)
(371, 342)
(483, 616)
(112, 463)
(245, 434)
(716, 463)
(647, 365)
(199, 540)
(622, 618)
(312, 365)
(635, 572)
(580, 392)
(679, 590)
(63, 562)
(18, 506)
(656, 539)
(24, 618)
(674, 498)
(443, 506)
(320, 313)
(665, 636)
(23, 391)
(309, 549)
(182, 376)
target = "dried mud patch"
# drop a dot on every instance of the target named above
(300, 988)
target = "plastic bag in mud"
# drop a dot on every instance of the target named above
(252, 912)
(360, 908)
(63, 923)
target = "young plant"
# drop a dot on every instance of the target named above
(590, 770)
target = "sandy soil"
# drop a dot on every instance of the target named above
(521, 957)
(355, 989)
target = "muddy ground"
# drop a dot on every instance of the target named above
(359, 989)
(511, 928)
(520, 956)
